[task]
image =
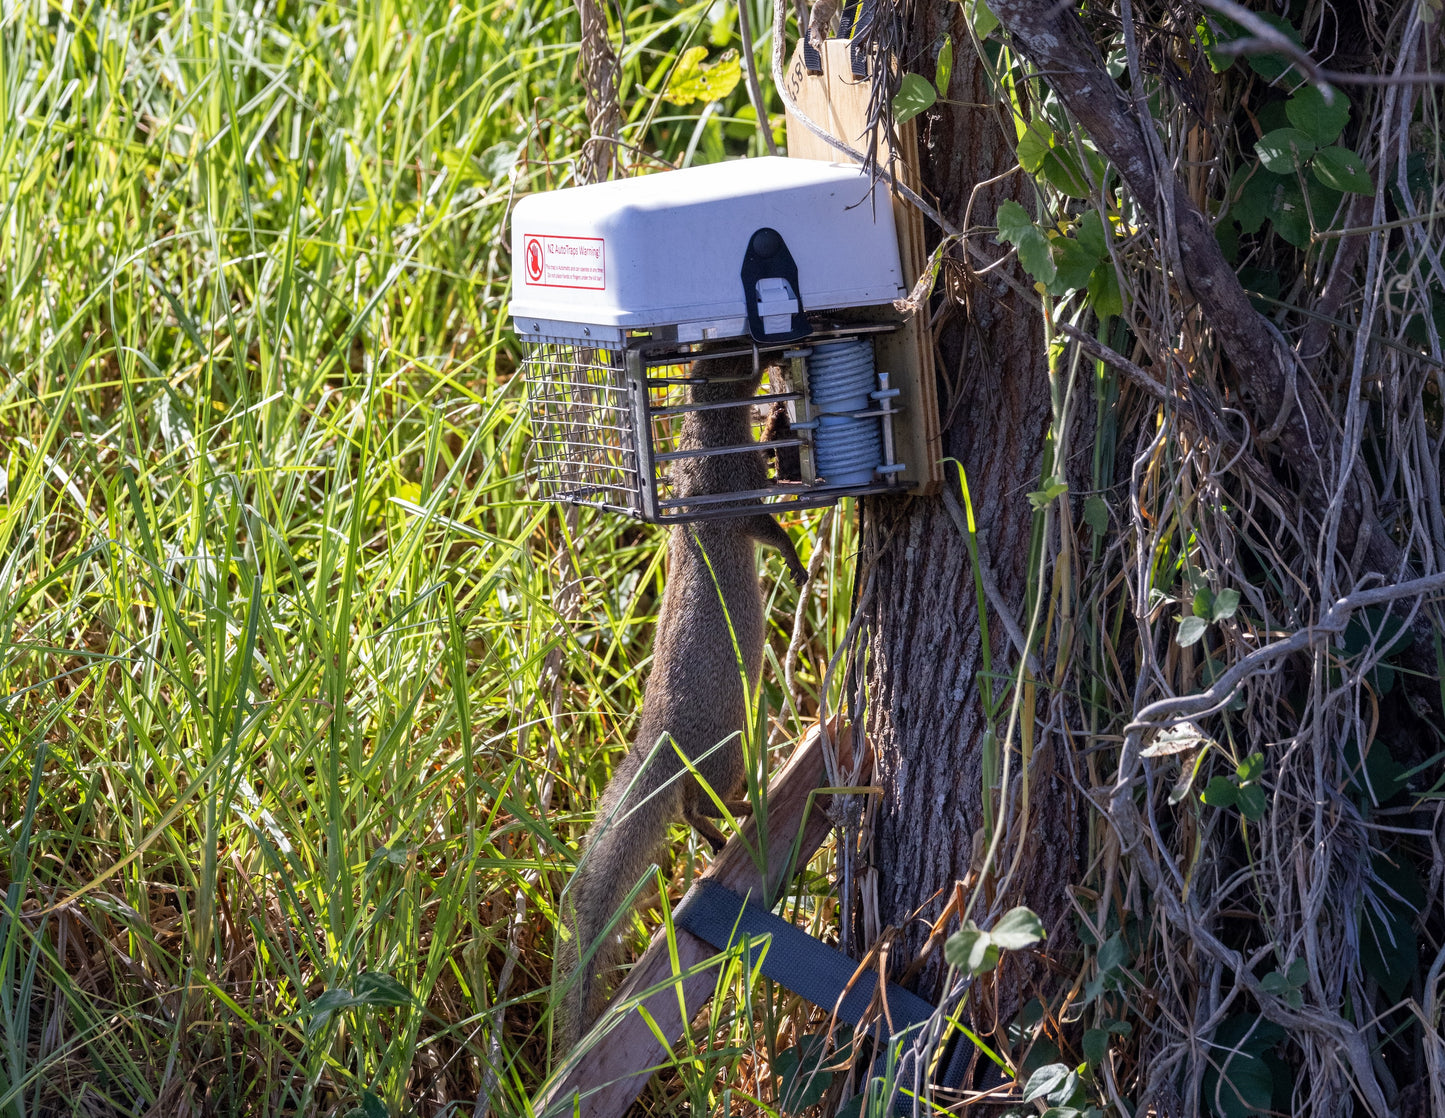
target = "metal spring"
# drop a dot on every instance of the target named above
(848, 444)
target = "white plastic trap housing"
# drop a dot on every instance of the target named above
(664, 251)
(627, 292)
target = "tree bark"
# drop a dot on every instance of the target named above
(925, 716)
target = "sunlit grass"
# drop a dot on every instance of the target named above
(297, 739)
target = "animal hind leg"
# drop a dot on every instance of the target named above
(693, 816)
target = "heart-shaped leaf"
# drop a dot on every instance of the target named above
(1342, 169)
(1017, 228)
(979, 17)
(970, 949)
(1033, 146)
(1225, 603)
(1047, 1080)
(915, 93)
(1017, 928)
(691, 80)
(1096, 509)
(1284, 150)
(1104, 290)
(1190, 630)
(1221, 792)
(1308, 112)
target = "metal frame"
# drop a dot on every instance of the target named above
(641, 354)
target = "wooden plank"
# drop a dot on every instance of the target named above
(610, 1067)
(838, 102)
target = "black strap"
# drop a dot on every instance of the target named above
(806, 966)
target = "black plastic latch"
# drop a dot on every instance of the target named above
(770, 290)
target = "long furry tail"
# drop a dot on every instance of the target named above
(631, 827)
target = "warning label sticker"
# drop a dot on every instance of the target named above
(564, 261)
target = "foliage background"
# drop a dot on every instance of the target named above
(295, 732)
(303, 703)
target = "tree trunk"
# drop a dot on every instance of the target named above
(925, 713)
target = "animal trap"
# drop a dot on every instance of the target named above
(630, 292)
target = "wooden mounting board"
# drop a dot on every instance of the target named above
(838, 102)
(614, 1061)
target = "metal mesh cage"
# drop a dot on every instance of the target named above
(667, 408)
(608, 416)
(584, 446)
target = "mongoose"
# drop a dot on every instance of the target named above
(709, 644)
(789, 462)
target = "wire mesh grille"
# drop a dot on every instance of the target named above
(667, 400)
(607, 424)
(584, 447)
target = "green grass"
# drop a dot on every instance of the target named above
(295, 743)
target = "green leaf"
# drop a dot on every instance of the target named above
(1377, 778)
(944, 71)
(1104, 291)
(1226, 602)
(1203, 603)
(1207, 39)
(1250, 768)
(1252, 802)
(1073, 264)
(1284, 150)
(1239, 1080)
(1299, 972)
(969, 949)
(1047, 1080)
(1374, 626)
(1272, 67)
(1190, 630)
(1061, 170)
(1034, 145)
(1290, 217)
(980, 18)
(1096, 1046)
(1017, 928)
(1221, 792)
(1017, 228)
(693, 81)
(380, 989)
(330, 1000)
(1251, 197)
(1040, 498)
(1341, 169)
(1113, 954)
(1096, 514)
(803, 1078)
(1067, 1096)
(1093, 235)
(915, 93)
(1040, 154)
(1280, 986)
(1309, 113)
